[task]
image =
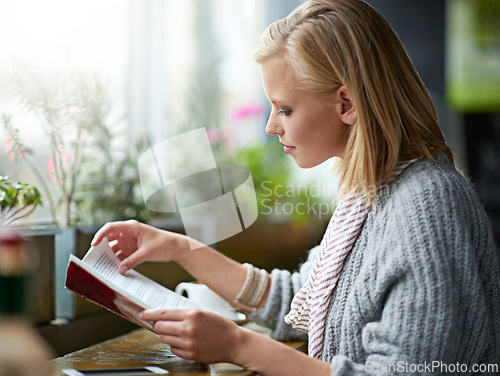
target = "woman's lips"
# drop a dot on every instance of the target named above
(288, 149)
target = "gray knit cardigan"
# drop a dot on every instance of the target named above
(419, 292)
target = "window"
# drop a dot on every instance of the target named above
(142, 68)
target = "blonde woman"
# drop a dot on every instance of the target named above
(405, 280)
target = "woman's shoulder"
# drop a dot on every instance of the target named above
(431, 198)
(431, 210)
(430, 185)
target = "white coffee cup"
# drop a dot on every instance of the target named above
(206, 298)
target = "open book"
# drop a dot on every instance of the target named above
(96, 278)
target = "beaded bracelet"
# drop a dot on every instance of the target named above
(253, 289)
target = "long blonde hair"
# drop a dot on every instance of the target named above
(330, 43)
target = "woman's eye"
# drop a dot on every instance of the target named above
(284, 112)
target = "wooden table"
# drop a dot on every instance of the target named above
(143, 348)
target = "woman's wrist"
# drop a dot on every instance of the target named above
(255, 289)
(222, 274)
(240, 345)
(180, 246)
(261, 354)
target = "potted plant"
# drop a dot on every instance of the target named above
(17, 200)
(91, 173)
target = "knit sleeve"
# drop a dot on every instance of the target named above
(283, 288)
(431, 285)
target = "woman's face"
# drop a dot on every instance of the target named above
(310, 129)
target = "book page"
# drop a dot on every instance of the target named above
(150, 294)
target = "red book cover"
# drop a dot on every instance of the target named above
(96, 279)
(88, 286)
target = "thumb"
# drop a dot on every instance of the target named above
(122, 268)
(130, 262)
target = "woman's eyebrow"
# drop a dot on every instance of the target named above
(279, 102)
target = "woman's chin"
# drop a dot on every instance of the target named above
(304, 164)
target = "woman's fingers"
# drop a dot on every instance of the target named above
(134, 258)
(111, 230)
(177, 328)
(116, 247)
(182, 353)
(173, 341)
(181, 322)
(194, 334)
(114, 231)
(167, 327)
(112, 236)
(172, 314)
(121, 256)
(172, 325)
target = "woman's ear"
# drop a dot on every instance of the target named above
(345, 106)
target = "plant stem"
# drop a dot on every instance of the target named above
(12, 218)
(44, 187)
(14, 213)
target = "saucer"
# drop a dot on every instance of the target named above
(238, 317)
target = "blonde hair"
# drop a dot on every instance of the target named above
(330, 43)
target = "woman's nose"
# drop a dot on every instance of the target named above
(272, 126)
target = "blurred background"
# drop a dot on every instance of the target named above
(86, 86)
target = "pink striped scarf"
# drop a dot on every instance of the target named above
(310, 305)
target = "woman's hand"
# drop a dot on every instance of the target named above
(196, 335)
(209, 338)
(137, 242)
